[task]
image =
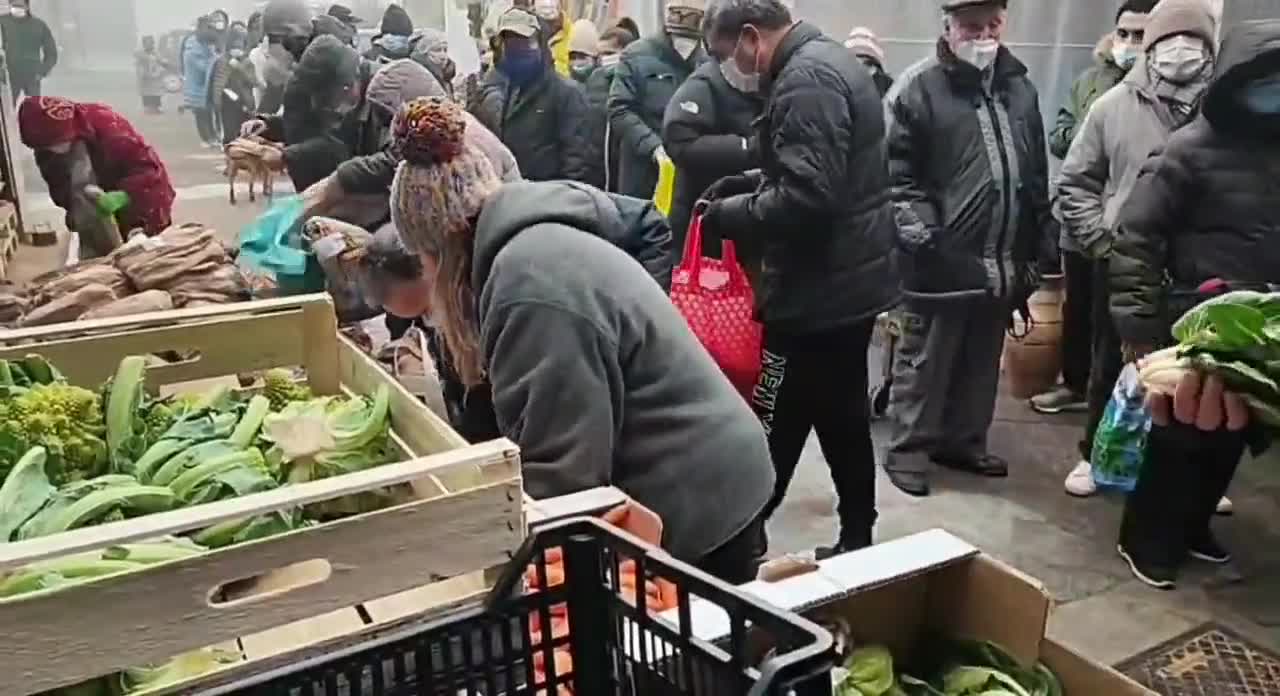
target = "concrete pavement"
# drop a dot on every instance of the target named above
(1025, 520)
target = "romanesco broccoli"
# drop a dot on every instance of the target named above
(281, 389)
(66, 420)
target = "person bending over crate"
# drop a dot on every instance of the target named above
(594, 373)
(94, 162)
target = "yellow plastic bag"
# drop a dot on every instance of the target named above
(666, 185)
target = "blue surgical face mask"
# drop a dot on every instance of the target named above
(1262, 96)
(521, 65)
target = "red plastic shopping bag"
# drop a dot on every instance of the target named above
(715, 297)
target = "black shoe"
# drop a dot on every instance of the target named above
(1208, 549)
(1159, 577)
(912, 483)
(985, 465)
(822, 553)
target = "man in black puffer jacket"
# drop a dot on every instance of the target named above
(1204, 213)
(538, 113)
(820, 212)
(970, 183)
(709, 134)
(650, 71)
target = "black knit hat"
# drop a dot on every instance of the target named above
(396, 21)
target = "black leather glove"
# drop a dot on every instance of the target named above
(733, 186)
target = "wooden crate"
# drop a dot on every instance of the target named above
(465, 513)
(8, 236)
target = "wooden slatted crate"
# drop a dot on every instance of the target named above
(465, 514)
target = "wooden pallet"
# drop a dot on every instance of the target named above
(463, 513)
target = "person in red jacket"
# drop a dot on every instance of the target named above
(85, 149)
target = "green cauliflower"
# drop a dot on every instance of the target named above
(281, 389)
(65, 420)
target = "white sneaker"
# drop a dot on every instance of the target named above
(1080, 481)
(1225, 506)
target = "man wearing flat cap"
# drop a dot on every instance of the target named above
(969, 173)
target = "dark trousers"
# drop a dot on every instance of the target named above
(1184, 475)
(819, 382)
(1077, 322)
(735, 561)
(20, 85)
(204, 125)
(1107, 356)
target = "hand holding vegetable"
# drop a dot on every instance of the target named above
(1199, 401)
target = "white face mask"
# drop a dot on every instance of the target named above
(750, 84)
(1124, 55)
(610, 60)
(1180, 59)
(684, 45)
(18, 12)
(980, 53)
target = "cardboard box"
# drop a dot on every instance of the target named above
(931, 584)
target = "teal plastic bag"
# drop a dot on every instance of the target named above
(1121, 440)
(272, 246)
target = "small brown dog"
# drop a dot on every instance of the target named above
(249, 155)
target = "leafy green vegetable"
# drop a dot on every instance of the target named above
(870, 673)
(126, 428)
(24, 492)
(250, 529)
(980, 681)
(82, 567)
(103, 499)
(175, 671)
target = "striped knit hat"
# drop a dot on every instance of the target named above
(443, 181)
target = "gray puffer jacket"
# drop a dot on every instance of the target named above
(600, 380)
(1122, 129)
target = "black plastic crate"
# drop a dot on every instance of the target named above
(616, 647)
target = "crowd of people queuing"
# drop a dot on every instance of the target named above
(512, 217)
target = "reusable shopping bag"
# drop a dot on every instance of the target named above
(715, 297)
(272, 247)
(1121, 440)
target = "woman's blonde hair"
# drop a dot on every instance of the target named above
(438, 193)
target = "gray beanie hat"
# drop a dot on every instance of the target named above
(1173, 17)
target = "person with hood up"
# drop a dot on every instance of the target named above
(85, 151)
(150, 70)
(584, 62)
(431, 49)
(818, 209)
(584, 50)
(709, 134)
(392, 41)
(199, 53)
(30, 49)
(369, 174)
(646, 78)
(558, 30)
(1203, 217)
(538, 113)
(866, 46)
(1114, 56)
(595, 375)
(325, 120)
(969, 168)
(1121, 130)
